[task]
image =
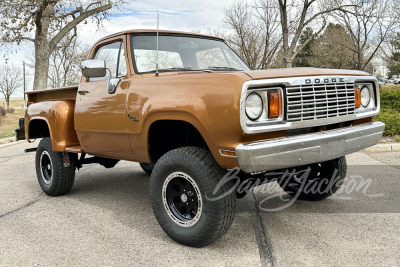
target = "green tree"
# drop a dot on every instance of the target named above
(332, 49)
(394, 59)
(303, 57)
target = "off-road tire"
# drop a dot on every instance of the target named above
(322, 177)
(147, 167)
(62, 172)
(217, 215)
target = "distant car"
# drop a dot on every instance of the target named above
(382, 81)
(391, 80)
(396, 80)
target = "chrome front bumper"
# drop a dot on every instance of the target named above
(306, 149)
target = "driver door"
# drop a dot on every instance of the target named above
(100, 116)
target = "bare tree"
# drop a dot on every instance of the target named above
(252, 31)
(64, 69)
(369, 25)
(296, 15)
(10, 80)
(46, 23)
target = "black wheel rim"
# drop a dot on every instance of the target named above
(46, 167)
(182, 199)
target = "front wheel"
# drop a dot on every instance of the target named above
(183, 199)
(55, 170)
(322, 180)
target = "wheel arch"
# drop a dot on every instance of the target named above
(168, 134)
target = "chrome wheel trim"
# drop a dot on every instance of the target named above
(49, 167)
(174, 218)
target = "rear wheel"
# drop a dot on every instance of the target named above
(323, 180)
(147, 167)
(55, 170)
(183, 199)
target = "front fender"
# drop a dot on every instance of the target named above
(59, 117)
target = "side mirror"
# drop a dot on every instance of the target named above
(94, 68)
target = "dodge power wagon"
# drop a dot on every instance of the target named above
(199, 121)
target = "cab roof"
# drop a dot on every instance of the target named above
(155, 31)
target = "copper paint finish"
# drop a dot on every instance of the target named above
(59, 116)
(100, 124)
(208, 101)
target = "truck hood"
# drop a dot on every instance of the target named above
(299, 72)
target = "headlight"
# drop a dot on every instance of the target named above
(365, 96)
(254, 106)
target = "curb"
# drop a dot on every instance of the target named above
(395, 147)
(7, 140)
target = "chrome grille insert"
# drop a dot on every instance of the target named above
(319, 101)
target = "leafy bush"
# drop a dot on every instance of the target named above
(390, 100)
(392, 120)
(3, 111)
(390, 112)
(10, 110)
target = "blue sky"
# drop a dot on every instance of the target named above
(181, 15)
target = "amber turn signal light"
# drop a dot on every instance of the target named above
(275, 104)
(357, 94)
(227, 153)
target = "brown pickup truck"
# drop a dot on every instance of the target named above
(197, 119)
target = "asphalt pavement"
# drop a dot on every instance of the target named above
(106, 220)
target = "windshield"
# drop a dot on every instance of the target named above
(183, 53)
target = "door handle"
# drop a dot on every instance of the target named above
(83, 92)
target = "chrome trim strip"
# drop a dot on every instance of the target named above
(268, 126)
(306, 149)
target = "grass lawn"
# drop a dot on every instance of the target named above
(390, 87)
(14, 103)
(9, 123)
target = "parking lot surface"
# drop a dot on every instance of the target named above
(107, 220)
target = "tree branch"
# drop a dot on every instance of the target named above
(72, 24)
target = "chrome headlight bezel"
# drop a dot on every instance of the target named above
(372, 103)
(264, 118)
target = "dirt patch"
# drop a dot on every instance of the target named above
(389, 139)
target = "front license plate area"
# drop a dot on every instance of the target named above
(333, 148)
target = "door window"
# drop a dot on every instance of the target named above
(114, 56)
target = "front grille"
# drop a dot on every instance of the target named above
(319, 101)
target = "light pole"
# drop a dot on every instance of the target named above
(23, 67)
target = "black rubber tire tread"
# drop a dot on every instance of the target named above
(341, 165)
(147, 167)
(63, 177)
(220, 213)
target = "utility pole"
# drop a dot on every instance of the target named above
(23, 64)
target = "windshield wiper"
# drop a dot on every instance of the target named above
(221, 68)
(182, 68)
(177, 68)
